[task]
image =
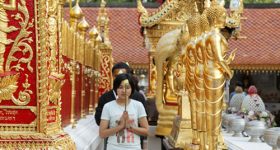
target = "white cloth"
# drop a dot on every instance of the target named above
(236, 101)
(112, 111)
(253, 103)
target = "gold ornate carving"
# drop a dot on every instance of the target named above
(21, 44)
(33, 140)
(171, 11)
(8, 85)
(5, 29)
(42, 62)
(24, 96)
(105, 80)
(52, 41)
(55, 86)
(149, 21)
(22, 41)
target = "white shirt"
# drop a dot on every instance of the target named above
(253, 102)
(236, 100)
(112, 111)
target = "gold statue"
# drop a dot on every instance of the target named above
(152, 85)
(170, 90)
(165, 50)
(216, 71)
(199, 77)
(5, 29)
(194, 31)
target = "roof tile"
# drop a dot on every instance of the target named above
(261, 47)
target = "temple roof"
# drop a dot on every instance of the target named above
(261, 48)
(259, 51)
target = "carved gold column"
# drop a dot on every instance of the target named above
(83, 27)
(93, 33)
(75, 15)
(97, 62)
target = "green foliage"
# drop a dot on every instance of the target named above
(112, 1)
(258, 1)
(255, 1)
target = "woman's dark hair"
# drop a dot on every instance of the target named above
(118, 80)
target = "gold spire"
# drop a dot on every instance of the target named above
(83, 25)
(93, 32)
(103, 23)
(76, 11)
(75, 15)
(98, 38)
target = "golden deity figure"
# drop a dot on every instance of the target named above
(199, 78)
(153, 80)
(194, 31)
(170, 89)
(5, 29)
(52, 26)
(216, 71)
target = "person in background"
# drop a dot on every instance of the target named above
(237, 98)
(252, 101)
(118, 68)
(237, 84)
(123, 119)
(137, 87)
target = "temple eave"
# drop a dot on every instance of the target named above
(255, 67)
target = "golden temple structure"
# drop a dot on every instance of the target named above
(187, 44)
(51, 72)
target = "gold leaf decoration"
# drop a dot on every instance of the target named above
(8, 85)
(56, 85)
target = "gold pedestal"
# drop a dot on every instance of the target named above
(181, 133)
(165, 120)
(36, 141)
(191, 147)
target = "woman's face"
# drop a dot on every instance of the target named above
(124, 86)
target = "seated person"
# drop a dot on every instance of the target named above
(237, 98)
(253, 102)
(237, 84)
